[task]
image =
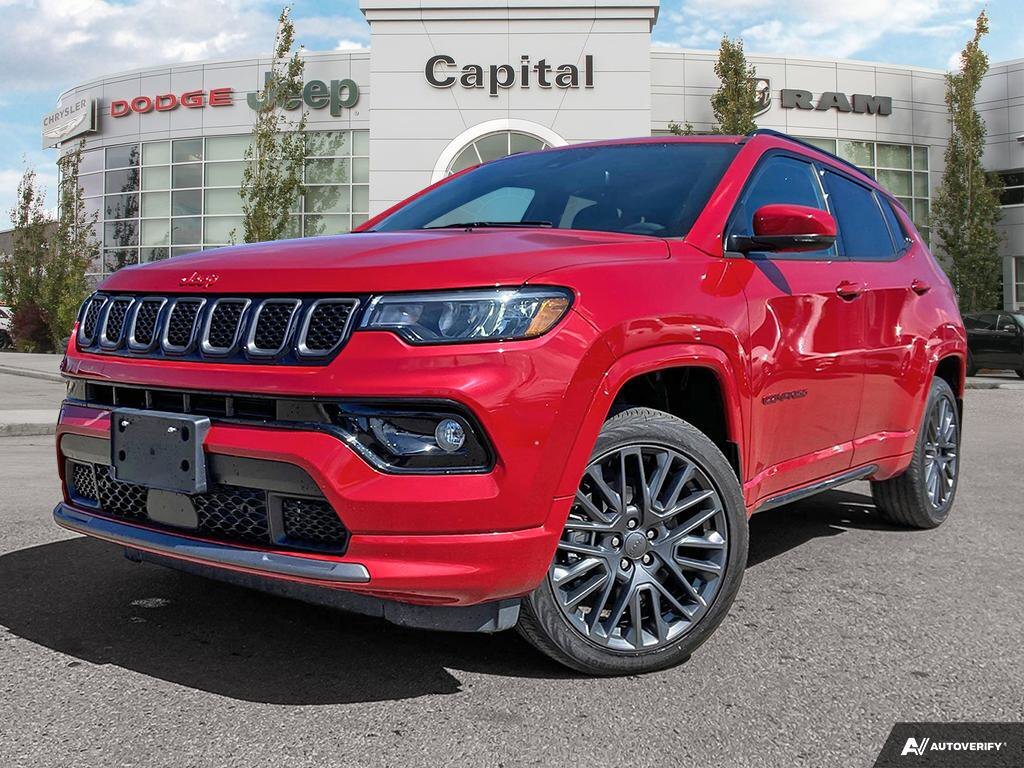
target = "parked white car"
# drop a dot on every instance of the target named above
(6, 315)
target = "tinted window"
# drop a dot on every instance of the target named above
(1006, 323)
(980, 322)
(899, 235)
(779, 179)
(862, 229)
(652, 188)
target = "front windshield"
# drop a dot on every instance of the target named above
(653, 188)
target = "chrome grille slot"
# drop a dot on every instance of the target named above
(224, 326)
(112, 329)
(181, 324)
(90, 320)
(271, 327)
(142, 334)
(326, 326)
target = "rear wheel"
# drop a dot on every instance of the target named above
(923, 495)
(972, 369)
(651, 556)
(1020, 373)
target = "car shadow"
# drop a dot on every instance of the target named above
(80, 597)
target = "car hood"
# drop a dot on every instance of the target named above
(377, 262)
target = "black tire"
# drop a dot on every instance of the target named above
(1020, 373)
(906, 499)
(972, 369)
(543, 621)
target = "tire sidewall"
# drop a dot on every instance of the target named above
(647, 427)
(940, 390)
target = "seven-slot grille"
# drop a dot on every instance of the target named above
(228, 329)
(224, 513)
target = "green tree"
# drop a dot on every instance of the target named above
(735, 102)
(272, 180)
(966, 207)
(73, 249)
(22, 274)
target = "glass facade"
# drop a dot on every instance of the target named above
(1018, 283)
(900, 168)
(1013, 187)
(167, 198)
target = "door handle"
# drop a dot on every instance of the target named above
(920, 287)
(849, 290)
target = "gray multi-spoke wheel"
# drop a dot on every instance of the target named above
(922, 496)
(651, 554)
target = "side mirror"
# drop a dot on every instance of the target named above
(785, 228)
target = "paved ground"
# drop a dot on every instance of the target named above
(843, 626)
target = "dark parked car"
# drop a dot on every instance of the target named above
(995, 340)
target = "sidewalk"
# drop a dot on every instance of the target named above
(31, 390)
(46, 367)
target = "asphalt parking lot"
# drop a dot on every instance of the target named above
(843, 626)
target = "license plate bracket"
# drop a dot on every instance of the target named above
(159, 450)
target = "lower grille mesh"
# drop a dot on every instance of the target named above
(225, 512)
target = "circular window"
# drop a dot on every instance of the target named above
(493, 146)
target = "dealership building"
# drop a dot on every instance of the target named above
(448, 83)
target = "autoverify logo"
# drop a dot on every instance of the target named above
(915, 747)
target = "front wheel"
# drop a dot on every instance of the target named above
(652, 553)
(923, 495)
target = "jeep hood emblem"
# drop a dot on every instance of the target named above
(199, 280)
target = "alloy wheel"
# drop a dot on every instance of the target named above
(941, 453)
(644, 549)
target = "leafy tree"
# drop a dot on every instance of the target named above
(73, 249)
(735, 101)
(22, 274)
(966, 207)
(686, 129)
(272, 180)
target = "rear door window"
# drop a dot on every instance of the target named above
(900, 238)
(980, 322)
(862, 228)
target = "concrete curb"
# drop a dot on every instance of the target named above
(984, 385)
(30, 374)
(27, 430)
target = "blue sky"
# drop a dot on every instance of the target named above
(50, 45)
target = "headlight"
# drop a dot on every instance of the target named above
(496, 314)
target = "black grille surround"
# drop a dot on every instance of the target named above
(299, 330)
(226, 513)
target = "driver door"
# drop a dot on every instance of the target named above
(806, 333)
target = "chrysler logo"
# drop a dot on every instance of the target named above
(199, 280)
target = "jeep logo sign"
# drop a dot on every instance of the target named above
(861, 103)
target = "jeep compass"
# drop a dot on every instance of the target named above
(544, 394)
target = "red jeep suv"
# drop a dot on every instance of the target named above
(545, 393)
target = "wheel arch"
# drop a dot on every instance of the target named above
(634, 372)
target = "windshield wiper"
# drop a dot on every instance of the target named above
(492, 224)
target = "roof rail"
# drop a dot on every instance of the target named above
(802, 143)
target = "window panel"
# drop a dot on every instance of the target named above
(155, 254)
(331, 224)
(223, 201)
(124, 156)
(294, 228)
(361, 170)
(190, 175)
(187, 203)
(121, 233)
(186, 150)
(328, 144)
(897, 182)
(91, 184)
(523, 142)
(185, 231)
(492, 147)
(221, 230)
(93, 207)
(227, 147)
(828, 145)
(156, 204)
(121, 206)
(857, 152)
(126, 180)
(361, 199)
(920, 185)
(1019, 272)
(156, 177)
(467, 158)
(224, 174)
(156, 153)
(863, 231)
(920, 158)
(91, 161)
(361, 143)
(327, 171)
(115, 259)
(332, 199)
(893, 156)
(358, 219)
(156, 231)
(185, 251)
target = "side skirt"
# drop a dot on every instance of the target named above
(822, 485)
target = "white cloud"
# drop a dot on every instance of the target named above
(54, 44)
(814, 28)
(349, 45)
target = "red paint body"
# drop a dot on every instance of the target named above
(853, 337)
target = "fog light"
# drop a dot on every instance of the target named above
(450, 435)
